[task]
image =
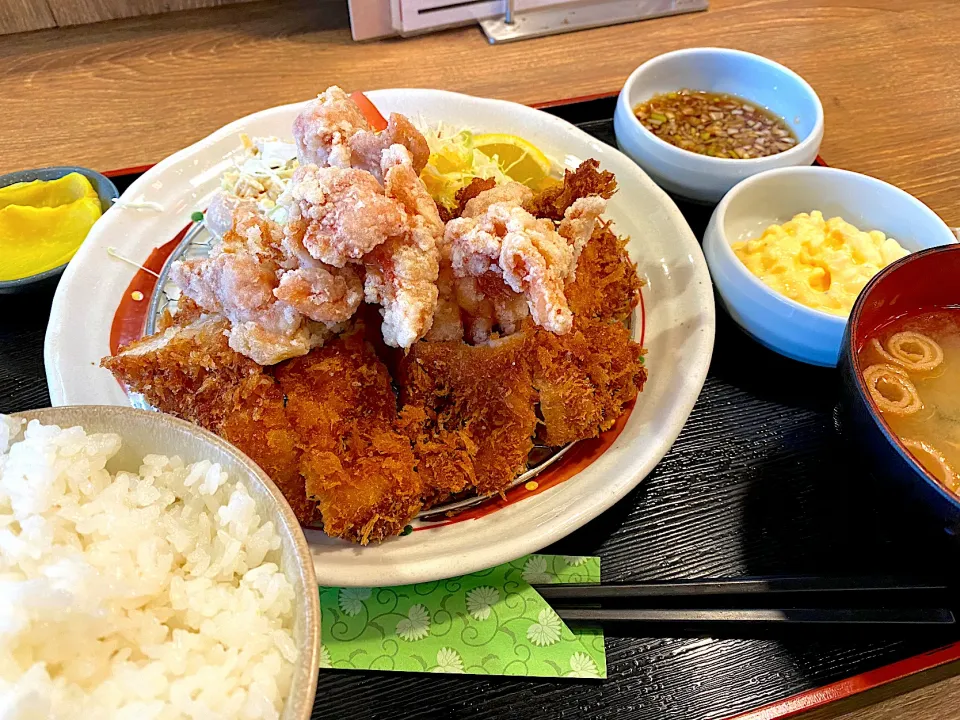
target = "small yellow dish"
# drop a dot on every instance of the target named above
(43, 223)
(823, 264)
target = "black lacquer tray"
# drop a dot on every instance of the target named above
(758, 483)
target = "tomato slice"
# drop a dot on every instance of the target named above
(369, 110)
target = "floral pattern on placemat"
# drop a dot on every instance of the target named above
(489, 623)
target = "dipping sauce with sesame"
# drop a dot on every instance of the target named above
(715, 124)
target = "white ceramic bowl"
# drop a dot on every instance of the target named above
(677, 325)
(773, 197)
(144, 433)
(752, 77)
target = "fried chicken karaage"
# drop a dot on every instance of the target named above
(263, 292)
(501, 262)
(332, 131)
(488, 327)
(385, 222)
(402, 273)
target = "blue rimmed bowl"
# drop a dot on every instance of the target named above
(761, 81)
(773, 197)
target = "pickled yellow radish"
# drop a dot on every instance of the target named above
(43, 223)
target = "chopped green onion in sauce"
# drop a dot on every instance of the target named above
(196, 216)
(715, 124)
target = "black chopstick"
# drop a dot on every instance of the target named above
(756, 587)
(860, 617)
(703, 606)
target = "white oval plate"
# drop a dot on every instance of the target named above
(679, 330)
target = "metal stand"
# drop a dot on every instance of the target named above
(565, 18)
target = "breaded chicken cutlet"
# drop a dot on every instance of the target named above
(357, 467)
(583, 379)
(187, 370)
(320, 426)
(527, 342)
(469, 411)
(606, 286)
(191, 372)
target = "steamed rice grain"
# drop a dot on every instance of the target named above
(149, 595)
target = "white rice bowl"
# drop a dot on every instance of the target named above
(150, 595)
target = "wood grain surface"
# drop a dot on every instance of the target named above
(931, 695)
(130, 92)
(79, 12)
(22, 15)
(938, 701)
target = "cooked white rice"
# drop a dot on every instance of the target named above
(126, 596)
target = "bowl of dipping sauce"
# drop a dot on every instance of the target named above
(699, 121)
(789, 251)
(900, 371)
(45, 215)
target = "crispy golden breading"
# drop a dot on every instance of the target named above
(258, 425)
(187, 312)
(192, 372)
(476, 413)
(551, 202)
(606, 285)
(356, 465)
(586, 180)
(469, 192)
(584, 378)
(470, 409)
(327, 418)
(463, 196)
(444, 458)
(445, 214)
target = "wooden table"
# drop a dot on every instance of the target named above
(128, 93)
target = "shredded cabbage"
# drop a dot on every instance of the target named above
(262, 172)
(454, 162)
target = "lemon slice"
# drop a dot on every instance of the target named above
(520, 160)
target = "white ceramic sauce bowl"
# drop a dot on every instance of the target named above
(754, 78)
(789, 328)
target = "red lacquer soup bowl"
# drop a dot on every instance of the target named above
(921, 282)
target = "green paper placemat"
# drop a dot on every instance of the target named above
(488, 623)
